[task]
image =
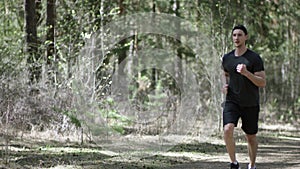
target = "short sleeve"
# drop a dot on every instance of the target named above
(258, 65)
(223, 63)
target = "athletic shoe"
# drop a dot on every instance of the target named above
(234, 166)
(249, 167)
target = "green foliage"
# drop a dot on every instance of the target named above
(113, 118)
(11, 40)
(73, 118)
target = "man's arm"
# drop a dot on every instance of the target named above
(225, 81)
(258, 78)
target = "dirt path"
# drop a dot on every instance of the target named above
(276, 151)
(273, 153)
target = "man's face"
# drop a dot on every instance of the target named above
(239, 38)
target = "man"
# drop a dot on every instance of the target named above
(243, 76)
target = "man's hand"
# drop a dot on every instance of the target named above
(258, 78)
(225, 89)
(242, 69)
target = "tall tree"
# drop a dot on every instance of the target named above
(175, 7)
(122, 53)
(31, 40)
(50, 23)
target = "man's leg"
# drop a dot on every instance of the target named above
(229, 141)
(252, 148)
(250, 127)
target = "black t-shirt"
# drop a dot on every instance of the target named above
(241, 90)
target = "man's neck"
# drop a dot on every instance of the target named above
(240, 50)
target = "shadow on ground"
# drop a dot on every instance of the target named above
(274, 152)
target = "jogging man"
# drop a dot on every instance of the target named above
(243, 76)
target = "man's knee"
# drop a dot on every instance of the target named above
(251, 138)
(228, 129)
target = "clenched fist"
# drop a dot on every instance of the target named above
(242, 69)
(225, 89)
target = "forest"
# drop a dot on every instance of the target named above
(130, 83)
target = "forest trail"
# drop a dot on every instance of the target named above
(276, 151)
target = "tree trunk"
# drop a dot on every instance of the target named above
(122, 52)
(178, 63)
(50, 53)
(50, 23)
(31, 41)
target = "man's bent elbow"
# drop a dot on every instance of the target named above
(262, 84)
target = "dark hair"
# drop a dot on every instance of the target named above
(241, 27)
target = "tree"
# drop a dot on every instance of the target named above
(50, 50)
(31, 41)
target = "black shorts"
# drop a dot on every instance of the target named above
(249, 115)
